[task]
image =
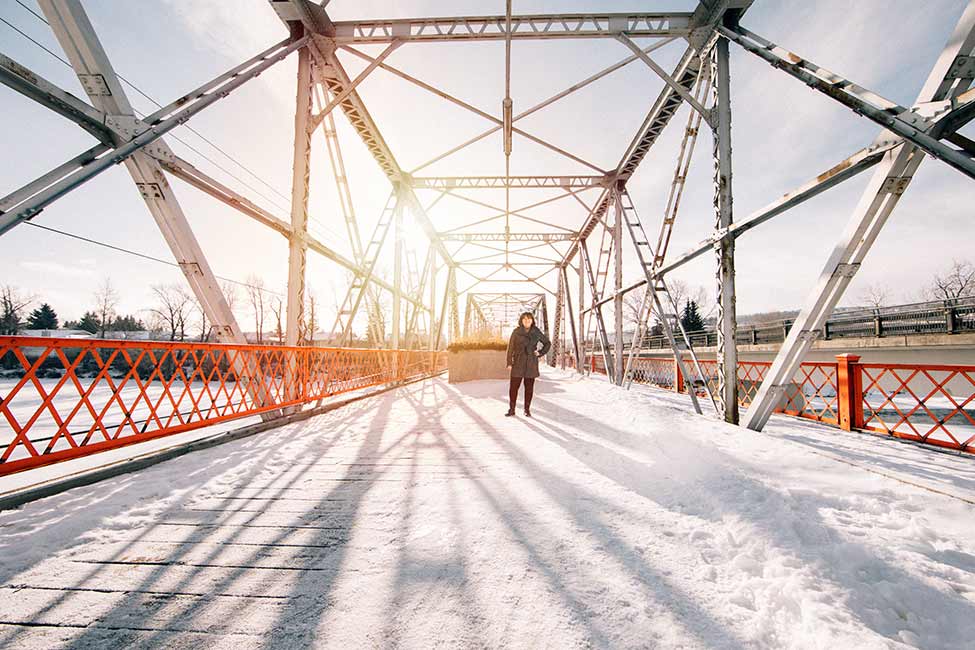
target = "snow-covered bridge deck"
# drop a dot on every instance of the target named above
(423, 518)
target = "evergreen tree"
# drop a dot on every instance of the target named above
(43, 318)
(89, 322)
(127, 323)
(691, 317)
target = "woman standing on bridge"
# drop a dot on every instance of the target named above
(523, 355)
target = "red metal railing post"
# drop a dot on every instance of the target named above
(678, 378)
(849, 391)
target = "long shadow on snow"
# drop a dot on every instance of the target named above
(769, 511)
(134, 600)
(711, 631)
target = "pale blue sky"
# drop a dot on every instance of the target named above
(783, 134)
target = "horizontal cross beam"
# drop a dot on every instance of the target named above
(502, 182)
(511, 236)
(494, 28)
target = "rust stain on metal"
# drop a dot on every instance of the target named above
(829, 173)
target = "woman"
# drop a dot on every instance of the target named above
(523, 355)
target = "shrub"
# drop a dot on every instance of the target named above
(477, 344)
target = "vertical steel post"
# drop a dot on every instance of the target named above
(297, 246)
(617, 377)
(576, 346)
(433, 302)
(848, 392)
(397, 273)
(555, 354)
(600, 322)
(727, 352)
(443, 309)
(454, 307)
(581, 322)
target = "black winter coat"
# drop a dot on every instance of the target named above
(523, 351)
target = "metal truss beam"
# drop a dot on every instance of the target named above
(890, 179)
(336, 100)
(626, 213)
(505, 124)
(301, 171)
(502, 182)
(661, 112)
(905, 122)
(537, 107)
(571, 317)
(707, 14)
(134, 143)
(727, 349)
(303, 16)
(670, 81)
(517, 212)
(859, 162)
(74, 32)
(600, 324)
(193, 176)
(510, 236)
(537, 26)
(36, 87)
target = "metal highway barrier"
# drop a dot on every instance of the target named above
(62, 398)
(936, 317)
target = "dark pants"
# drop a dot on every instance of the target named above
(513, 391)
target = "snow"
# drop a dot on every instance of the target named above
(423, 518)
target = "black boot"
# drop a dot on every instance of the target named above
(528, 412)
(511, 411)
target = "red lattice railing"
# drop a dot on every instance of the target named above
(930, 404)
(933, 404)
(64, 398)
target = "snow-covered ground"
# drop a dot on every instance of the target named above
(423, 518)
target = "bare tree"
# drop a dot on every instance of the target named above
(957, 282)
(277, 307)
(230, 293)
(12, 305)
(680, 292)
(311, 316)
(155, 325)
(875, 295)
(631, 307)
(206, 327)
(379, 313)
(106, 300)
(257, 296)
(173, 309)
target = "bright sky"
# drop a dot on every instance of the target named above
(783, 135)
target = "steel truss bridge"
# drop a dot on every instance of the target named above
(577, 267)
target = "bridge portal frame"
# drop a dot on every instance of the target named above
(929, 127)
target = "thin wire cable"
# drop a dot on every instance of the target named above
(158, 105)
(145, 256)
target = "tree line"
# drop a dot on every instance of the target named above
(174, 314)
